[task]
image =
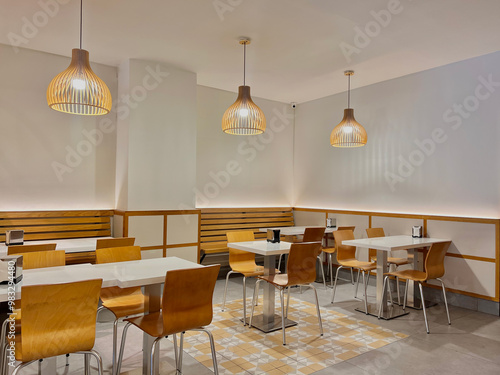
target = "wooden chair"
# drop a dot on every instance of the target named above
(57, 319)
(434, 269)
(331, 250)
(241, 262)
(18, 249)
(38, 259)
(312, 234)
(346, 257)
(122, 302)
(105, 243)
(186, 306)
(391, 261)
(301, 270)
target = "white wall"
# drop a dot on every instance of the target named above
(243, 171)
(456, 174)
(46, 161)
(156, 166)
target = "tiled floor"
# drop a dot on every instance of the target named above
(471, 345)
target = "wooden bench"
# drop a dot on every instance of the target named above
(54, 225)
(216, 222)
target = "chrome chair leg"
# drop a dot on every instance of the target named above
(212, 348)
(357, 284)
(253, 301)
(152, 355)
(115, 343)
(322, 270)
(406, 294)
(397, 291)
(317, 309)
(181, 352)
(445, 300)
(335, 284)
(366, 298)
(94, 354)
(225, 290)
(287, 302)
(282, 298)
(423, 306)
(20, 366)
(381, 302)
(122, 348)
(86, 357)
(176, 353)
(390, 292)
(352, 277)
(244, 301)
(3, 343)
(331, 270)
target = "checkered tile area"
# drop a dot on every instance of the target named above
(241, 350)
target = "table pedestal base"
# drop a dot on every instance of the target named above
(258, 322)
(391, 312)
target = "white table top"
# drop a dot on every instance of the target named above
(294, 231)
(123, 274)
(391, 243)
(71, 245)
(262, 247)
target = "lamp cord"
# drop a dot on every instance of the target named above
(81, 21)
(349, 92)
(244, 63)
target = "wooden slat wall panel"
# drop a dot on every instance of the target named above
(48, 225)
(216, 222)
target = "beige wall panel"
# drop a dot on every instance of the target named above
(149, 254)
(182, 229)
(475, 239)
(309, 218)
(189, 253)
(117, 226)
(469, 276)
(147, 230)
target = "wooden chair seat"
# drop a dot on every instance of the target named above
(124, 305)
(248, 269)
(410, 275)
(396, 261)
(354, 263)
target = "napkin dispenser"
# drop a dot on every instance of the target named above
(416, 231)
(14, 237)
(11, 269)
(331, 222)
(273, 235)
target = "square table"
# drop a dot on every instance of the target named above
(268, 321)
(383, 245)
(146, 273)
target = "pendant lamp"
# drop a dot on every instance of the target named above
(349, 133)
(244, 117)
(78, 90)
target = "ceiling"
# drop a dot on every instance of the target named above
(296, 51)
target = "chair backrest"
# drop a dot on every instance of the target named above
(187, 298)
(373, 233)
(344, 252)
(238, 256)
(313, 234)
(117, 254)
(104, 243)
(43, 259)
(58, 319)
(301, 264)
(347, 228)
(434, 261)
(18, 249)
